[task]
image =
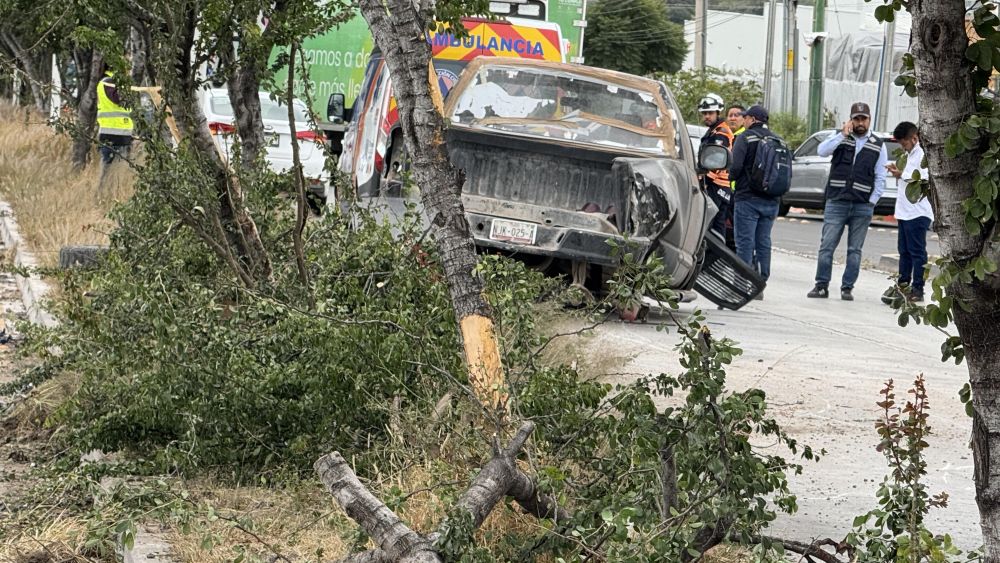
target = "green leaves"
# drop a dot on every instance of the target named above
(965, 395)
(639, 39)
(982, 54)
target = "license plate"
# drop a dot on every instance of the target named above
(513, 231)
(273, 140)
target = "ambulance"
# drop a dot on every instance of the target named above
(373, 153)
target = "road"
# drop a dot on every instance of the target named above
(800, 234)
(822, 363)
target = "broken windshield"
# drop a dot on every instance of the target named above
(564, 105)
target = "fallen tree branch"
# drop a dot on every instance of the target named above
(813, 549)
(394, 538)
(499, 478)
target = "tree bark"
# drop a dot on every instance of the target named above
(35, 78)
(668, 479)
(399, 29)
(244, 86)
(946, 98)
(396, 541)
(298, 245)
(139, 50)
(394, 538)
(86, 109)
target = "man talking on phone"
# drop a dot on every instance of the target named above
(856, 182)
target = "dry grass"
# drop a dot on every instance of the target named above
(57, 541)
(301, 522)
(30, 414)
(55, 204)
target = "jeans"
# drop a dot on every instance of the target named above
(837, 214)
(912, 245)
(110, 152)
(754, 219)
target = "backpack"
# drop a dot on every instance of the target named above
(771, 172)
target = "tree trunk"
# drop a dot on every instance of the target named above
(945, 99)
(244, 87)
(139, 51)
(243, 249)
(399, 29)
(86, 109)
(35, 78)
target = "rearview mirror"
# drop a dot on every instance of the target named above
(713, 157)
(335, 108)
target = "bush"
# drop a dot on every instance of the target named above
(790, 127)
(690, 86)
(185, 368)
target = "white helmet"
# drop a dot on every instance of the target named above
(711, 102)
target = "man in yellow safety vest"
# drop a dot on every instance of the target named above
(114, 121)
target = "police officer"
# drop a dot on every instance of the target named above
(716, 182)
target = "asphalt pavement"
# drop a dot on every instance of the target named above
(822, 363)
(800, 233)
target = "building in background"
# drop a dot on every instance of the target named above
(854, 44)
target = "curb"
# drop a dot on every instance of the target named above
(890, 263)
(148, 547)
(32, 288)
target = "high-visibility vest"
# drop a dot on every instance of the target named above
(112, 119)
(721, 177)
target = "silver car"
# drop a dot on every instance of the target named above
(810, 172)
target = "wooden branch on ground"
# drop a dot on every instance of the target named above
(814, 549)
(499, 478)
(394, 538)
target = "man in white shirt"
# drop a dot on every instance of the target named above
(914, 218)
(856, 182)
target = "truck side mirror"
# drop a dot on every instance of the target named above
(335, 108)
(713, 157)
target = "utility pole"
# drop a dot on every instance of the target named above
(816, 69)
(785, 46)
(795, 57)
(885, 80)
(769, 61)
(700, 35)
(789, 91)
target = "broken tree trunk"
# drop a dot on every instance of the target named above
(396, 541)
(399, 28)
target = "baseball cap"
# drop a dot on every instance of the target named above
(860, 108)
(756, 112)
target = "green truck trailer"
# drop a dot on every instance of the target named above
(337, 59)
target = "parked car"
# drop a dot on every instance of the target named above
(810, 172)
(560, 159)
(219, 113)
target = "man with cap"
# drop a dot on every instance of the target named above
(856, 182)
(716, 182)
(755, 212)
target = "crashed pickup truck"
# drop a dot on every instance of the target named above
(561, 158)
